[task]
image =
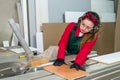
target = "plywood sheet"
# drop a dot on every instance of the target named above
(38, 61)
(65, 71)
(117, 28)
(52, 29)
(105, 43)
(111, 58)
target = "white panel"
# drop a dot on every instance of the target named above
(102, 5)
(108, 58)
(41, 13)
(25, 20)
(107, 17)
(5, 43)
(39, 41)
(20, 17)
(32, 22)
(14, 41)
(21, 50)
(73, 16)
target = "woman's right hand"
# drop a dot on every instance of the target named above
(59, 62)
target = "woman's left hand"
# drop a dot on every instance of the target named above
(77, 67)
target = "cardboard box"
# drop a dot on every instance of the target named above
(52, 33)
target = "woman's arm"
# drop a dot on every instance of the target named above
(64, 41)
(85, 50)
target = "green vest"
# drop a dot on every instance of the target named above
(73, 42)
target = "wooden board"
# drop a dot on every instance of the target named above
(117, 28)
(65, 71)
(108, 59)
(38, 61)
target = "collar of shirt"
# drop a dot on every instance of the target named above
(80, 34)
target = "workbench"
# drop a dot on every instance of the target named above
(97, 71)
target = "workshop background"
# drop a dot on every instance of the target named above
(32, 14)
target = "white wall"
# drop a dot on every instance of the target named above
(57, 8)
(105, 9)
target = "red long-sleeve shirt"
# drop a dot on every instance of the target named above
(84, 51)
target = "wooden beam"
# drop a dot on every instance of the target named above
(117, 29)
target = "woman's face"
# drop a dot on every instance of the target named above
(86, 26)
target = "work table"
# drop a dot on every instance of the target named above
(98, 71)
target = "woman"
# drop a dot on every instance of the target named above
(79, 38)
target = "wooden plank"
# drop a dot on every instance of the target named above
(38, 61)
(65, 71)
(117, 28)
(48, 31)
(108, 59)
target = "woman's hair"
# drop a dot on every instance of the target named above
(94, 17)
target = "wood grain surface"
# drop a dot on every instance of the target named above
(65, 71)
